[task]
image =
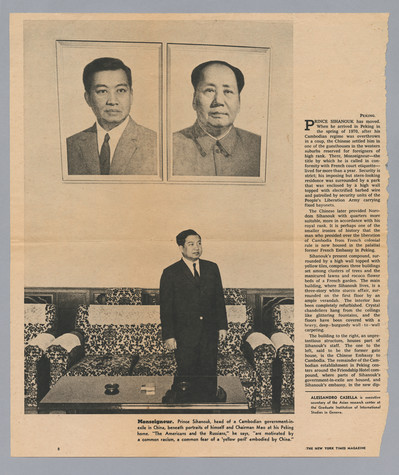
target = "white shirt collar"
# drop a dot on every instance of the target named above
(114, 135)
(211, 136)
(190, 265)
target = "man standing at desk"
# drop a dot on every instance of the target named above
(115, 144)
(193, 316)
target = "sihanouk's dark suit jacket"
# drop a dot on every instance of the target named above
(183, 302)
(135, 154)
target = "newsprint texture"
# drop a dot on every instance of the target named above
(199, 229)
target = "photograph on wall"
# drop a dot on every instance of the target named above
(110, 107)
(218, 102)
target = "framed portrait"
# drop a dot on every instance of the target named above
(218, 102)
(110, 110)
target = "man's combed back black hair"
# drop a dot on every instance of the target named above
(181, 237)
(197, 73)
(104, 64)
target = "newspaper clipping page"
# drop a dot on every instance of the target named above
(199, 229)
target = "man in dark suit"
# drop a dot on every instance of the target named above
(115, 144)
(193, 315)
(213, 146)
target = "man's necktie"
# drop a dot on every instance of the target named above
(105, 156)
(196, 275)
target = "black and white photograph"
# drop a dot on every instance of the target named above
(156, 299)
(218, 100)
(118, 86)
